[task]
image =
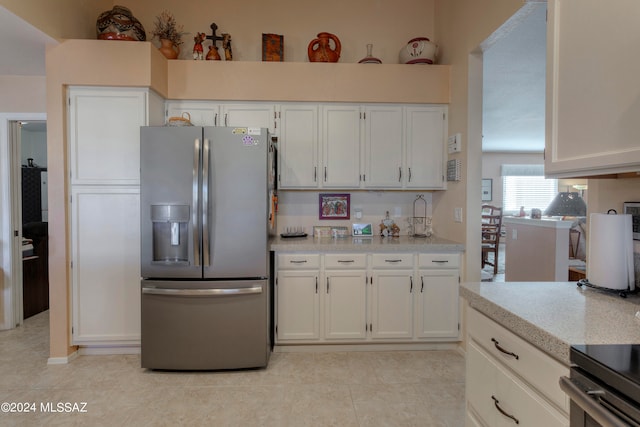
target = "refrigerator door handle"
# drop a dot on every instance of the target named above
(194, 204)
(202, 292)
(205, 203)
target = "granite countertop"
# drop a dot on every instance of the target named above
(365, 244)
(554, 315)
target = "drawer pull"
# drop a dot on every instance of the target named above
(440, 261)
(293, 261)
(496, 403)
(392, 260)
(346, 261)
(502, 350)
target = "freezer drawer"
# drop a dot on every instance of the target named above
(205, 325)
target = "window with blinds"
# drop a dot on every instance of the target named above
(525, 185)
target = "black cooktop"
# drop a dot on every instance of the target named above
(618, 365)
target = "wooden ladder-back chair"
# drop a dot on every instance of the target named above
(491, 225)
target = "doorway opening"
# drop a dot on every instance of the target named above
(24, 248)
(34, 217)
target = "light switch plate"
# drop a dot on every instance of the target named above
(457, 214)
(454, 142)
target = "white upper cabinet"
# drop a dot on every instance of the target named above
(340, 138)
(254, 114)
(404, 147)
(383, 147)
(201, 113)
(298, 146)
(104, 134)
(212, 113)
(592, 125)
(425, 157)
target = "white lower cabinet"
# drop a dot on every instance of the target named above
(297, 289)
(366, 298)
(345, 305)
(392, 304)
(509, 381)
(437, 302)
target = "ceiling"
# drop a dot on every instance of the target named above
(514, 86)
(513, 92)
(22, 46)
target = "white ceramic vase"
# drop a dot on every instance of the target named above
(418, 51)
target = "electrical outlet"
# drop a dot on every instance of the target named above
(457, 214)
(358, 213)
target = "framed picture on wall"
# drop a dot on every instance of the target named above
(487, 190)
(334, 206)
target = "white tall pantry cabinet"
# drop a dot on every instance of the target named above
(104, 152)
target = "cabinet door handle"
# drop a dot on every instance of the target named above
(327, 285)
(409, 174)
(502, 350)
(315, 174)
(496, 403)
(325, 174)
(215, 119)
(399, 173)
(225, 119)
(316, 285)
(422, 286)
(410, 284)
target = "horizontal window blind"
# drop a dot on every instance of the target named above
(525, 185)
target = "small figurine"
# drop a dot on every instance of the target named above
(226, 45)
(213, 54)
(198, 52)
(388, 227)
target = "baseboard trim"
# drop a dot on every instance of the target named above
(62, 360)
(323, 348)
(108, 350)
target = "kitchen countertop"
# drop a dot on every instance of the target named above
(365, 244)
(554, 315)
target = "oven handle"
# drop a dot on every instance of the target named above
(589, 405)
(202, 292)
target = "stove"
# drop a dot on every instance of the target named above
(604, 385)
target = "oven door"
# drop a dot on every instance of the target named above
(595, 404)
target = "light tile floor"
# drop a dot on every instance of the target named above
(403, 388)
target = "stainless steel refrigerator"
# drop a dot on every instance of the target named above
(205, 195)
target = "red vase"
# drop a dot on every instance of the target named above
(320, 50)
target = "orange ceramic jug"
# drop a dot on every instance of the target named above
(319, 49)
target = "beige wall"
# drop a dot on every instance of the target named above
(23, 94)
(605, 194)
(461, 26)
(387, 25)
(60, 19)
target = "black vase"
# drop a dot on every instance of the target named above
(119, 24)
